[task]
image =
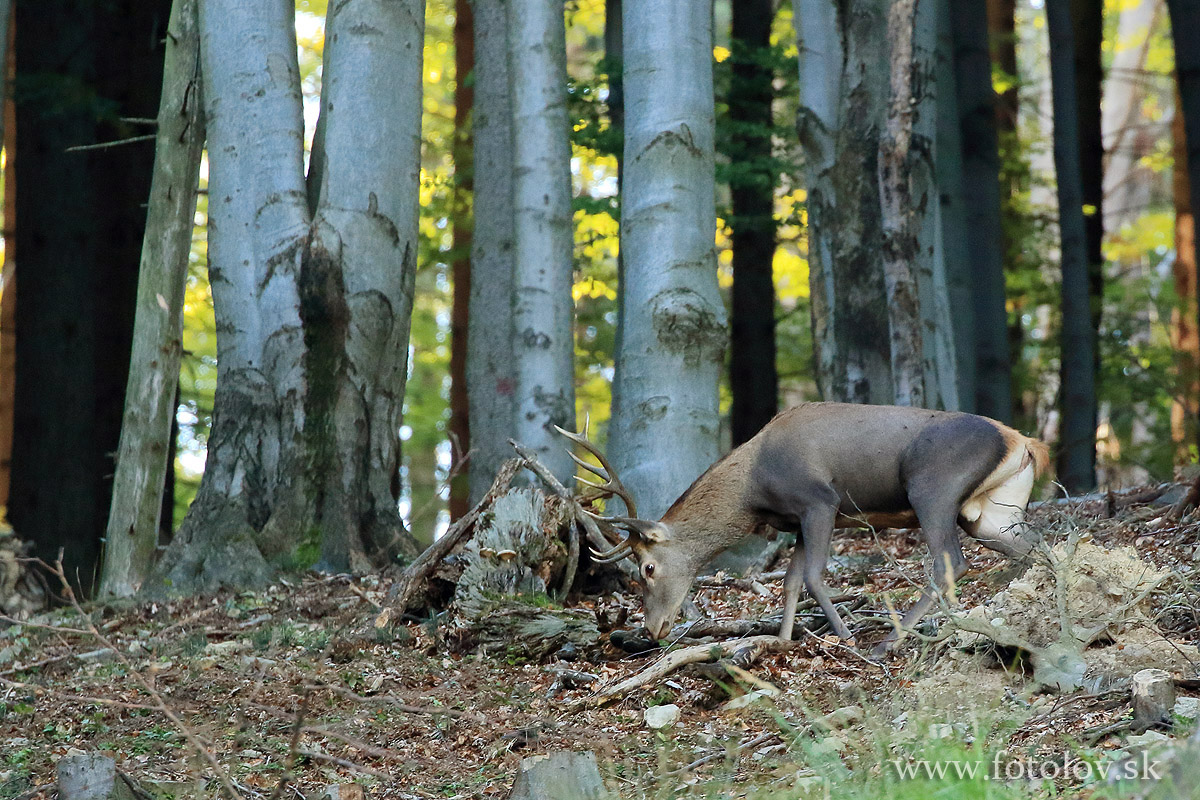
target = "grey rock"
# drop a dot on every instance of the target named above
(559, 776)
(91, 776)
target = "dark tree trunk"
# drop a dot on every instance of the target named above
(8, 282)
(1185, 21)
(981, 173)
(1185, 330)
(1002, 38)
(1077, 395)
(464, 98)
(81, 66)
(1087, 17)
(752, 374)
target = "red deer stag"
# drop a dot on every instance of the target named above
(819, 466)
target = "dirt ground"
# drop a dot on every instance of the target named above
(294, 681)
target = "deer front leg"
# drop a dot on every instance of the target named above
(817, 531)
(792, 583)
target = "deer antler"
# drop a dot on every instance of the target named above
(611, 486)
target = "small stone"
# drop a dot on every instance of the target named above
(941, 730)
(748, 699)
(661, 716)
(1187, 708)
(344, 791)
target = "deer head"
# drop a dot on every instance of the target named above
(667, 564)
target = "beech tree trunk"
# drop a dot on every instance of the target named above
(753, 379)
(673, 340)
(843, 95)
(1185, 21)
(543, 311)
(313, 303)
(143, 457)
(978, 116)
(1077, 395)
(459, 427)
(491, 377)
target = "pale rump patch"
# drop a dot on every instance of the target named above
(998, 505)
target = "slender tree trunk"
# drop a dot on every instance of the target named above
(313, 304)
(1185, 334)
(8, 272)
(1014, 176)
(543, 313)
(460, 416)
(80, 244)
(145, 447)
(900, 247)
(753, 379)
(952, 233)
(614, 55)
(491, 377)
(1077, 453)
(1185, 21)
(673, 342)
(1002, 41)
(978, 117)
(1087, 17)
(843, 93)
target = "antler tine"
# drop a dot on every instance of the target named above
(612, 484)
(612, 556)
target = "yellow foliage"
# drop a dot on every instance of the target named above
(720, 53)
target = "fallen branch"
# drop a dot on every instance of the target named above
(417, 573)
(744, 651)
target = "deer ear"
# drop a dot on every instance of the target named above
(656, 532)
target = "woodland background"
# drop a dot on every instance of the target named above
(85, 80)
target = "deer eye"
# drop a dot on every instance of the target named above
(648, 570)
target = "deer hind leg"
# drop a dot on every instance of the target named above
(937, 517)
(996, 517)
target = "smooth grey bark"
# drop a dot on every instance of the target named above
(952, 233)
(491, 381)
(843, 91)
(1077, 395)
(312, 304)
(981, 189)
(357, 281)
(143, 457)
(670, 358)
(543, 235)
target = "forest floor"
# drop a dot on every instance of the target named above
(259, 684)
